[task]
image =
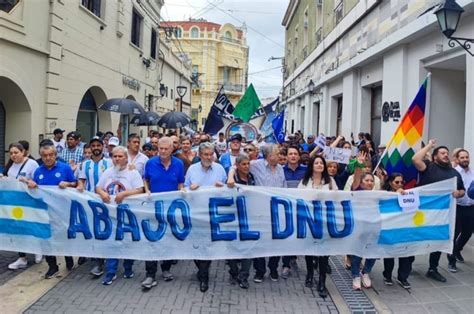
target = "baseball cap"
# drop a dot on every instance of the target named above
(96, 139)
(310, 136)
(382, 146)
(147, 146)
(58, 130)
(74, 135)
(237, 137)
(114, 141)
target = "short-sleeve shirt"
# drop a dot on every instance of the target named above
(161, 179)
(115, 181)
(59, 172)
(76, 154)
(197, 174)
(435, 173)
(92, 171)
(139, 162)
(25, 170)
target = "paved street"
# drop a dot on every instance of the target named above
(77, 292)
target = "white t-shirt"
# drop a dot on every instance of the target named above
(27, 171)
(59, 145)
(221, 146)
(324, 187)
(114, 182)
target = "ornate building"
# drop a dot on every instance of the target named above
(218, 55)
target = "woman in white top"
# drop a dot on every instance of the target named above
(21, 168)
(317, 177)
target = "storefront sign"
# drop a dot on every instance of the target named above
(131, 83)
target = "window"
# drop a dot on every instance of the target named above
(228, 35)
(8, 5)
(153, 44)
(194, 32)
(195, 69)
(93, 6)
(339, 116)
(171, 94)
(136, 27)
(339, 11)
(376, 114)
(226, 75)
(318, 36)
(178, 32)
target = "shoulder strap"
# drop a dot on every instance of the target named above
(21, 168)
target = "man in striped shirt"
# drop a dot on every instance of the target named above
(89, 174)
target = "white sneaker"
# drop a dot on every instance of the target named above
(38, 258)
(366, 281)
(356, 283)
(21, 262)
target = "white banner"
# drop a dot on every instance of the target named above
(339, 155)
(225, 223)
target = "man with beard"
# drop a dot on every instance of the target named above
(163, 173)
(438, 169)
(53, 173)
(202, 174)
(464, 209)
(114, 186)
(89, 176)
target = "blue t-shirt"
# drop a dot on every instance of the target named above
(162, 180)
(60, 172)
(293, 178)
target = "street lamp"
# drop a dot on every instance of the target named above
(151, 98)
(311, 86)
(448, 15)
(181, 90)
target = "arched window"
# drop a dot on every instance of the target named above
(228, 35)
(178, 32)
(194, 32)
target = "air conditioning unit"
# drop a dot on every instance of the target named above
(319, 3)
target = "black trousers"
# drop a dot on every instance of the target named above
(203, 269)
(243, 272)
(52, 262)
(152, 266)
(466, 226)
(404, 267)
(311, 261)
(259, 265)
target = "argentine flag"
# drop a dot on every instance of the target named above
(429, 222)
(21, 214)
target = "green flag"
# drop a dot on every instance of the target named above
(248, 105)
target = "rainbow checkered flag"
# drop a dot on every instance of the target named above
(407, 140)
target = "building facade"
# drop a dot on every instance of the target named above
(354, 66)
(61, 59)
(218, 55)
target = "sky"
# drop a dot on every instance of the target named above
(265, 34)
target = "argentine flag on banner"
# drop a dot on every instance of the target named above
(428, 222)
(21, 214)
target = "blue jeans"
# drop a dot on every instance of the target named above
(111, 265)
(355, 268)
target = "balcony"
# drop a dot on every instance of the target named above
(230, 40)
(230, 87)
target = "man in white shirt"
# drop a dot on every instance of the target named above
(221, 144)
(58, 140)
(114, 185)
(464, 210)
(136, 159)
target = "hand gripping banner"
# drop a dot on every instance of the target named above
(222, 223)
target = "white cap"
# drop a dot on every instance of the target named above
(114, 141)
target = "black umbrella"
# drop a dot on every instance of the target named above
(147, 118)
(122, 105)
(174, 120)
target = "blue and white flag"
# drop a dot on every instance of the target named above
(277, 125)
(221, 108)
(21, 214)
(428, 222)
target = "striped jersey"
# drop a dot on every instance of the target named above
(91, 172)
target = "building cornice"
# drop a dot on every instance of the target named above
(290, 12)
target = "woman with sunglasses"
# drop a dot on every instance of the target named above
(395, 183)
(317, 177)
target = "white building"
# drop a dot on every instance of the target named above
(376, 57)
(61, 59)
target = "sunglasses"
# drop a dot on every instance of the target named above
(399, 182)
(248, 150)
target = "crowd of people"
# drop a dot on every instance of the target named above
(171, 163)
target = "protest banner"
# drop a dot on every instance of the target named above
(336, 154)
(222, 223)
